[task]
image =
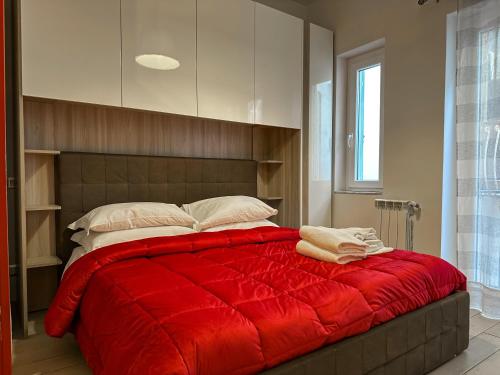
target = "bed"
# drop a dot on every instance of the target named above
(241, 301)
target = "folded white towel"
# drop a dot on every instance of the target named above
(334, 240)
(377, 247)
(312, 251)
(362, 234)
(340, 246)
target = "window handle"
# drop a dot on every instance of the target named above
(350, 138)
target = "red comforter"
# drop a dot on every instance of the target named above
(230, 302)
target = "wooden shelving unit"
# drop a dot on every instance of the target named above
(269, 175)
(277, 152)
(37, 259)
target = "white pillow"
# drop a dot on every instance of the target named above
(247, 225)
(122, 216)
(226, 210)
(96, 240)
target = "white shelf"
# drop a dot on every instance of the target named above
(45, 261)
(41, 152)
(270, 162)
(47, 207)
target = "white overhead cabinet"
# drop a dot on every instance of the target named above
(233, 60)
(226, 60)
(71, 50)
(159, 55)
(278, 68)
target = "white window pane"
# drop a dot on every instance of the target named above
(368, 124)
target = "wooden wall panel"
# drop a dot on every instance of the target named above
(40, 117)
(68, 126)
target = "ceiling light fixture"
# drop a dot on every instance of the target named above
(158, 62)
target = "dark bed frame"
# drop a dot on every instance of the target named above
(412, 344)
(415, 343)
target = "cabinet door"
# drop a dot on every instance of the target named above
(226, 59)
(278, 68)
(320, 125)
(165, 28)
(71, 50)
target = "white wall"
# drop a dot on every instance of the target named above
(415, 50)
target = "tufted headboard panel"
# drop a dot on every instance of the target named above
(86, 181)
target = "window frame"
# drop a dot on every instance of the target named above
(354, 65)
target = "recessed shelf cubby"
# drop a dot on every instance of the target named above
(38, 259)
(40, 239)
(277, 152)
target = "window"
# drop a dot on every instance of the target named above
(365, 121)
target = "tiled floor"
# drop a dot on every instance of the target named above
(483, 355)
(40, 354)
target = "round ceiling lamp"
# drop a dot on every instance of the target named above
(158, 62)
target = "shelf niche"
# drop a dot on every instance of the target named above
(40, 246)
(39, 180)
(40, 239)
(277, 152)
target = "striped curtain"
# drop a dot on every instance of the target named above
(478, 155)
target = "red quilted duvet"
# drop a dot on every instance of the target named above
(233, 302)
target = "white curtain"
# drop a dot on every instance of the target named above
(478, 155)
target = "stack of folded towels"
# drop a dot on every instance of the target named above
(339, 245)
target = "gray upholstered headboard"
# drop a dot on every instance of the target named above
(86, 181)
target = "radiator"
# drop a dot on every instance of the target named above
(395, 215)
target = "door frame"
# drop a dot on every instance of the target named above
(5, 321)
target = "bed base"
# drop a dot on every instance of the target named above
(413, 344)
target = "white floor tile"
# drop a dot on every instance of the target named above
(480, 348)
(490, 366)
(479, 324)
(474, 312)
(494, 340)
(495, 330)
